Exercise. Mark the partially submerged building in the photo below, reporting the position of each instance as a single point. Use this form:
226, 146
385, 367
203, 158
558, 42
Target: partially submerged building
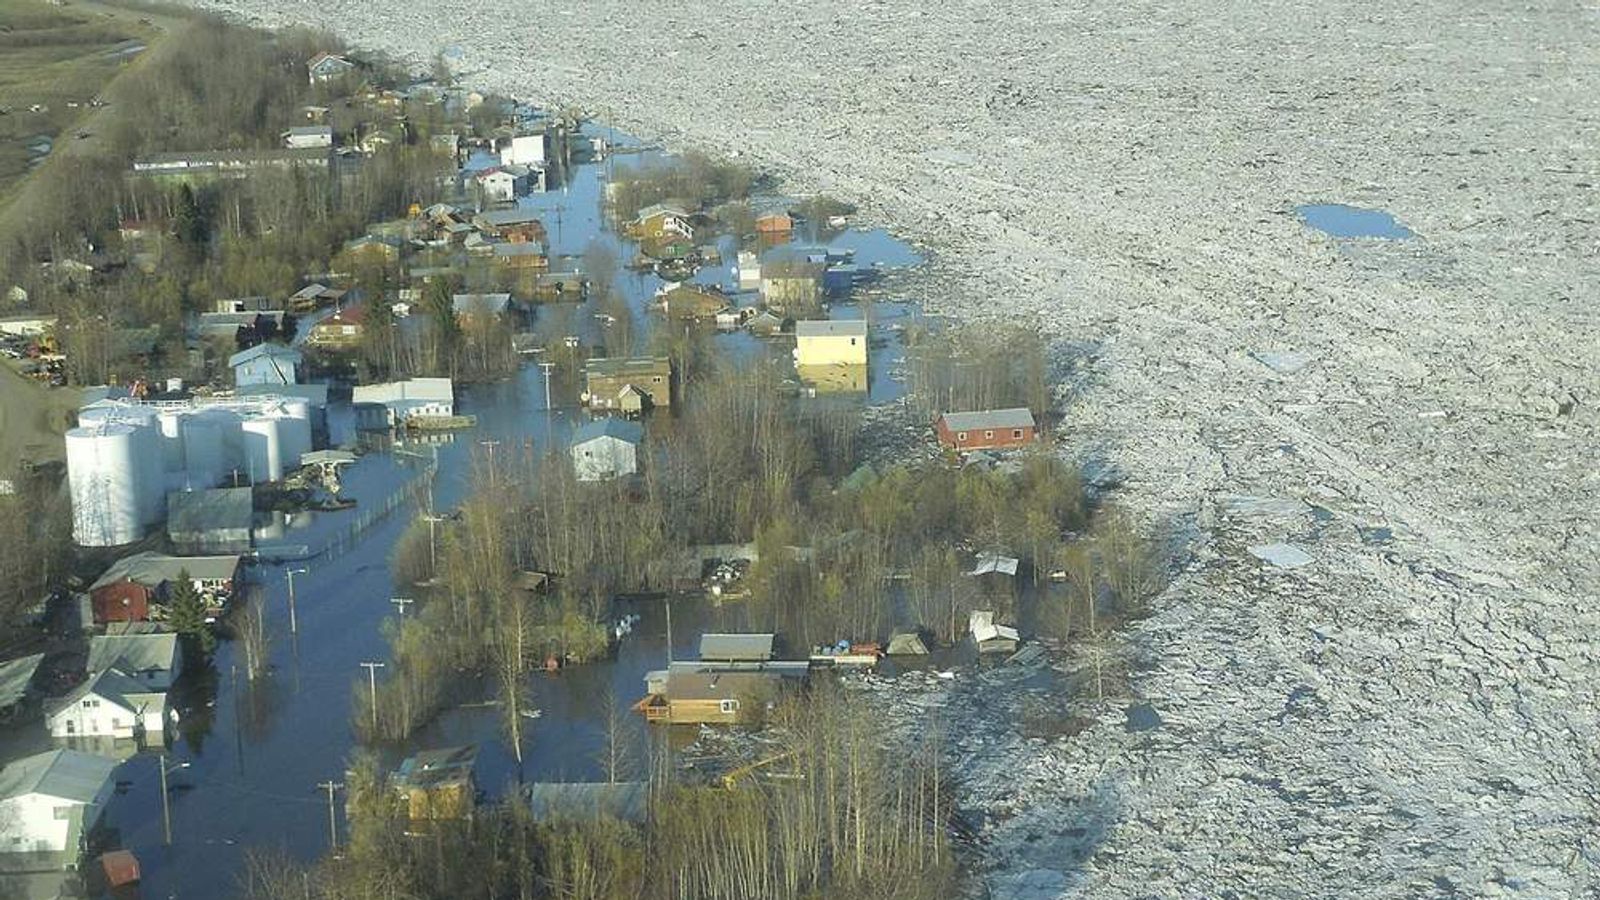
266, 363
627, 384
131, 586
110, 704
153, 660
50, 801
215, 521
438, 784
830, 342
625, 801
606, 448
399, 403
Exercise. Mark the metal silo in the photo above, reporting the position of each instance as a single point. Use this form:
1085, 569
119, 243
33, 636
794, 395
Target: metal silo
204, 455
171, 422
294, 420
263, 449
103, 472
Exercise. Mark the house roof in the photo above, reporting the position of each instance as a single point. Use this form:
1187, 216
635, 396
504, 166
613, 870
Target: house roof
504, 217
310, 292
669, 207
978, 420
425, 389
621, 429
309, 130
994, 564
718, 685
736, 646
112, 685
321, 58
15, 676
133, 652
219, 509
807, 328
350, 315
67, 774
626, 800
520, 248
151, 569
277, 351
629, 365
432, 768
472, 304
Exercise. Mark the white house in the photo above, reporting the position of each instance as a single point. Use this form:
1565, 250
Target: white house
498, 185
48, 801
325, 67
524, 150
606, 448
403, 400
838, 342
152, 660
303, 137
110, 704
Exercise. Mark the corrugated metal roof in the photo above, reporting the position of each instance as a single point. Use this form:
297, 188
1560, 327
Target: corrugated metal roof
268, 349
428, 389
719, 685
15, 675
623, 365
626, 800
830, 328
67, 774
133, 652
979, 420
621, 429
736, 646
218, 509
151, 569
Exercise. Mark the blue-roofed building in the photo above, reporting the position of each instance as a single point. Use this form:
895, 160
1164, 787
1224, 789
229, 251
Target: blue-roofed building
266, 364
606, 448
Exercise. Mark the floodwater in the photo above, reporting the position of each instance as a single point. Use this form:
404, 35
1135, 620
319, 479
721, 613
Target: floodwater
1343, 221
257, 753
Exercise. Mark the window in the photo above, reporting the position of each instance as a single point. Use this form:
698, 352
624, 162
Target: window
961, 435
1016, 434
852, 342
988, 435
61, 812
116, 722
655, 379
729, 707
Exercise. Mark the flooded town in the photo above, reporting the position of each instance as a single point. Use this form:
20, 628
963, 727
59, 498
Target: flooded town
435, 466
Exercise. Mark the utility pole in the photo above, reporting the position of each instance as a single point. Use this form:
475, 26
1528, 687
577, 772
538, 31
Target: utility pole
333, 824
433, 544
547, 366
372, 687
166, 807
401, 603
669, 632
491, 445
294, 625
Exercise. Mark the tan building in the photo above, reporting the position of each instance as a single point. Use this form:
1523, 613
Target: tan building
830, 343
628, 384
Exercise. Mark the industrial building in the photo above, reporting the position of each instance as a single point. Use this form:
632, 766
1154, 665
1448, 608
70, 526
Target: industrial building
403, 401
126, 455
211, 521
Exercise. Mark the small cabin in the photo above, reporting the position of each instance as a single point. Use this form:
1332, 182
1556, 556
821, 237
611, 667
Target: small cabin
438, 784
994, 429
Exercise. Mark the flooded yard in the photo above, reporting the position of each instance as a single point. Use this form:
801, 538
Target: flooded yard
257, 752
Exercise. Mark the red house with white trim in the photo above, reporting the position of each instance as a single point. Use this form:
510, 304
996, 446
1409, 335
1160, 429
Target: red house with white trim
991, 429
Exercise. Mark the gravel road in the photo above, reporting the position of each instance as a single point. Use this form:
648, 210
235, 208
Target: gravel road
1413, 711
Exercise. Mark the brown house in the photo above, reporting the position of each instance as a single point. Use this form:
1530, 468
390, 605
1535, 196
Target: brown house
513, 225
339, 331
617, 383
994, 429
133, 585
693, 301
715, 697
774, 224
438, 784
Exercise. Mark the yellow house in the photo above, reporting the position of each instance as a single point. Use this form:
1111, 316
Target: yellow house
830, 343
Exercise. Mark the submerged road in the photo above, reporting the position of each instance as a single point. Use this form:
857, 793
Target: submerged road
1409, 713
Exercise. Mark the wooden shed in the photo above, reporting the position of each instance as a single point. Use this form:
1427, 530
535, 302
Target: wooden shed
438, 784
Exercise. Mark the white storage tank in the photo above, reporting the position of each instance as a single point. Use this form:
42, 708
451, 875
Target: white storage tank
294, 421
171, 422
153, 475
103, 474
205, 457
263, 448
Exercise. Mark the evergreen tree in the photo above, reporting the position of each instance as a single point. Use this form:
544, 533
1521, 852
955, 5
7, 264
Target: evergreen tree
186, 613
